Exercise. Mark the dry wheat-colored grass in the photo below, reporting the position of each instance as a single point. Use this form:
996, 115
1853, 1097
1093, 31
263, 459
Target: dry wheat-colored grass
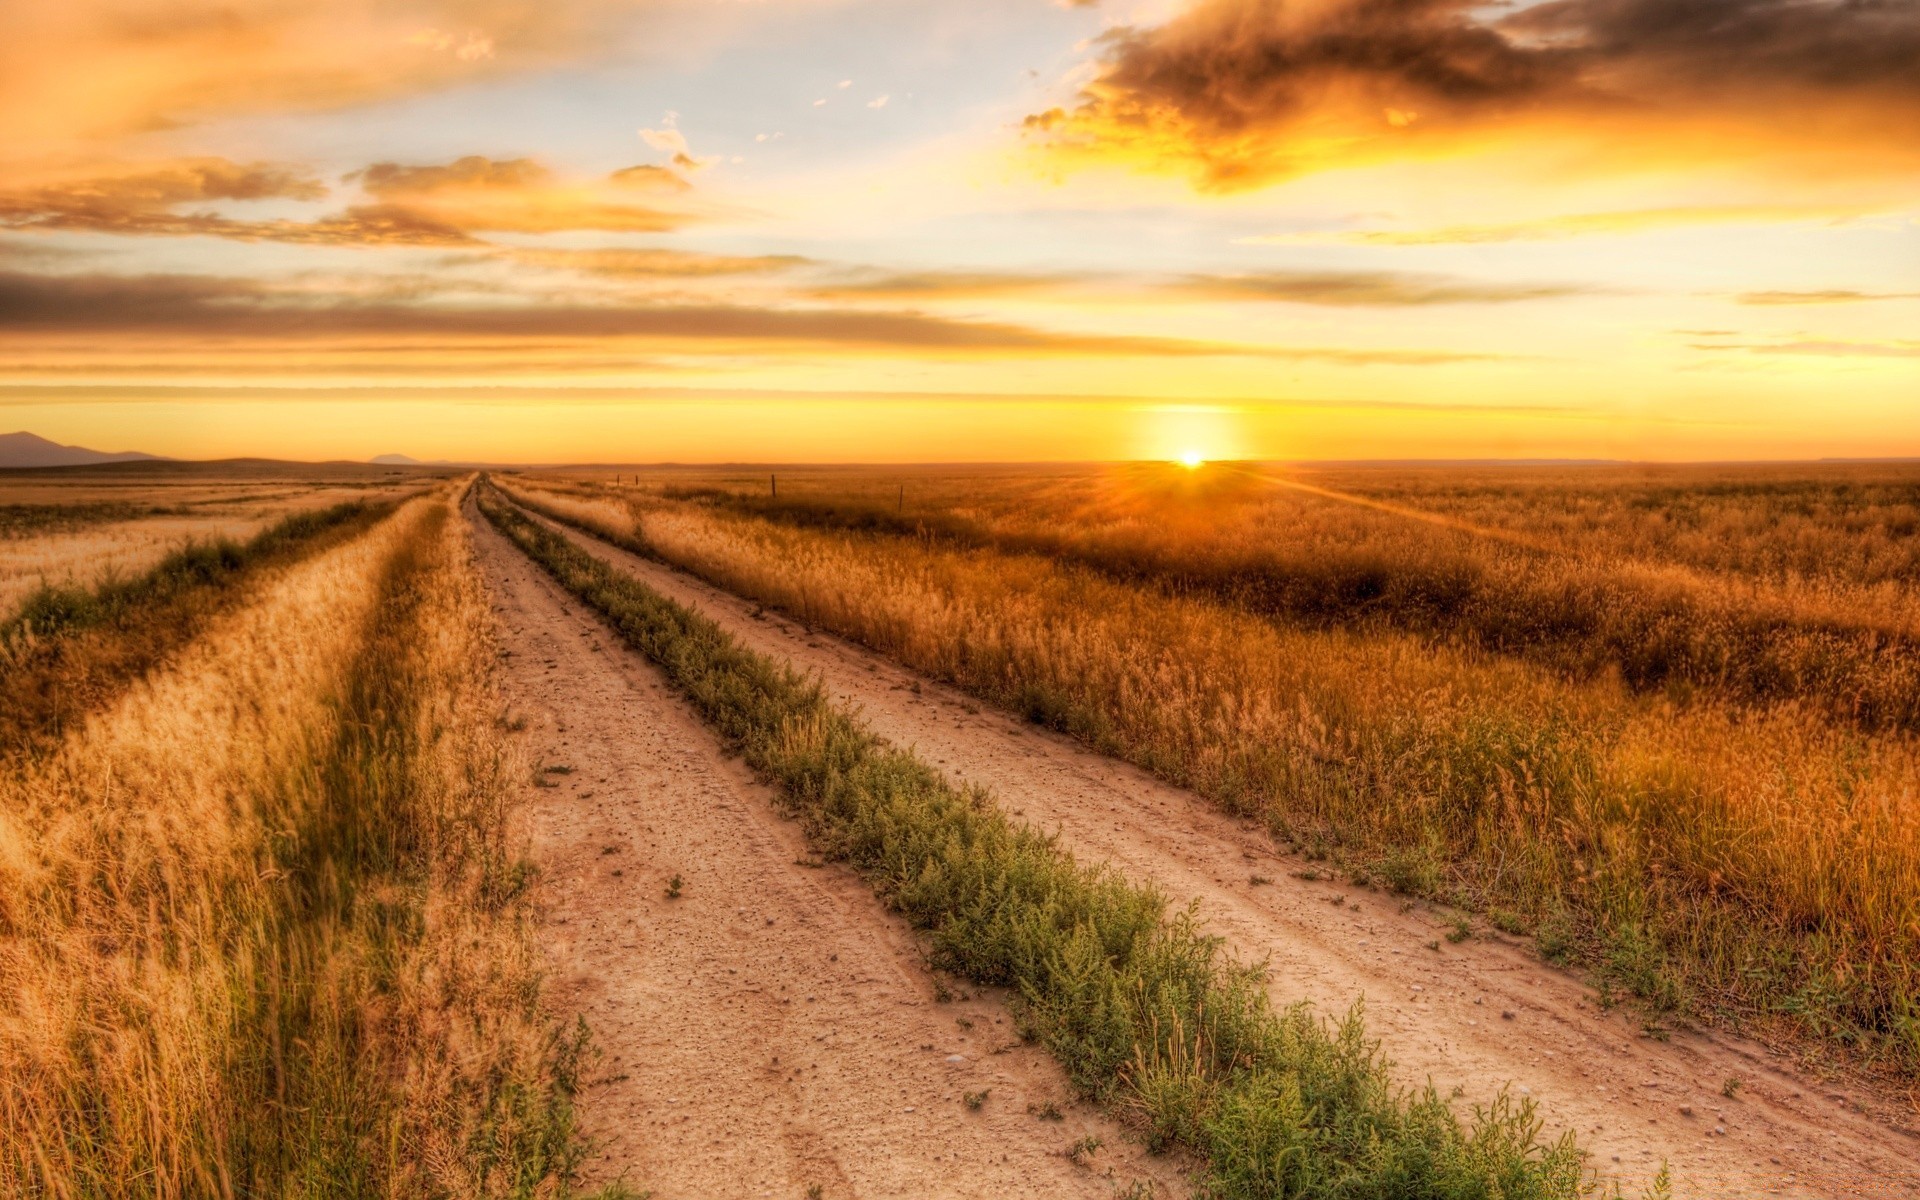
1759, 862
1758, 588
81, 536
262, 926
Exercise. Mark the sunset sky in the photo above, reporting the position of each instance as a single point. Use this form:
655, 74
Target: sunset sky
826, 230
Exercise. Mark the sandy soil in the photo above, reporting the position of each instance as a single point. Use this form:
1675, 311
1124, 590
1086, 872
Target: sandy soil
772, 1029
1478, 1016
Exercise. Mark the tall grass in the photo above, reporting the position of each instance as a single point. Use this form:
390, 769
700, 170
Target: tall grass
1760, 866
1755, 628
262, 928
68, 648
1143, 1010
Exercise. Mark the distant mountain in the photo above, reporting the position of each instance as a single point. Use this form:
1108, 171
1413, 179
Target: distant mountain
22, 450
394, 460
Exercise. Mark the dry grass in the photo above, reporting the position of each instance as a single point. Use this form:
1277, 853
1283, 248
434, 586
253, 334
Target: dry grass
68, 532
1754, 861
262, 931
1757, 587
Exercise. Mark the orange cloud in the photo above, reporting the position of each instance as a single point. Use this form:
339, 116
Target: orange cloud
411, 205
1571, 225
1340, 289
621, 263
84, 69
483, 195
1237, 93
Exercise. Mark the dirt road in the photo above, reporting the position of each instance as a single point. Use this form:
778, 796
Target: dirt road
771, 1029
1479, 1016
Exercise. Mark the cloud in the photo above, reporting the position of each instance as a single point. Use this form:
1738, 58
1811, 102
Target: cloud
222, 315
1829, 296
1819, 348
658, 264
85, 69
874, 284
1340, 289
1571, 225
213, 306
1368, 289
143, 198
476, 194
1238, 93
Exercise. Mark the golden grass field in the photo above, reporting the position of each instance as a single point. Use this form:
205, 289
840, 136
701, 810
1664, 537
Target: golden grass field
271, 922
56, 528
1662, 718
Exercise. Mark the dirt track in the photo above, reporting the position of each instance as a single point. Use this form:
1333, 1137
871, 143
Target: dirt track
773, 1028
1478, 1016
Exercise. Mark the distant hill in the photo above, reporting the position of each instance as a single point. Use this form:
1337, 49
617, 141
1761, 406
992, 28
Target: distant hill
394, 460
26, 450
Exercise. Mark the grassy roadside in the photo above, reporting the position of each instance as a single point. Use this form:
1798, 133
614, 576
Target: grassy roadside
1144, 1011
263, 927
68, 649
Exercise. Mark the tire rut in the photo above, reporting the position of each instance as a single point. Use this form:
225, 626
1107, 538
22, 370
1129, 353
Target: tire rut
772, 1028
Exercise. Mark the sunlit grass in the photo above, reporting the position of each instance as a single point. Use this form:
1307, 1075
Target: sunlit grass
1754, 862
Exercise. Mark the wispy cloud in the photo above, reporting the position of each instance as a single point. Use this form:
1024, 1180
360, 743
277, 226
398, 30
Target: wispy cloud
1826, 296
1570, 225
1368, 289
442, 204
1339, 289
1819, 348
223, 312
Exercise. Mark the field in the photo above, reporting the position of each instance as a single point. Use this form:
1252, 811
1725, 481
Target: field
1239, 831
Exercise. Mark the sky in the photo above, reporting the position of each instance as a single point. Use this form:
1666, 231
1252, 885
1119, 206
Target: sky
962, 230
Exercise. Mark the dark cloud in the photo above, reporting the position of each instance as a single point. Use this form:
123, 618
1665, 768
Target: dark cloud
238, 308
223, 310
1247, 90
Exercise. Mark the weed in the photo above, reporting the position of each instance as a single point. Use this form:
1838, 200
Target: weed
1083, 1150
1461, 931
974, 1100
673, 887
1730, 1087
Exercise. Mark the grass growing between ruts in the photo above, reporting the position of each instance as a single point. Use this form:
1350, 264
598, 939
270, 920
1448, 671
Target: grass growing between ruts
69, 648
262, 929
1144, 1011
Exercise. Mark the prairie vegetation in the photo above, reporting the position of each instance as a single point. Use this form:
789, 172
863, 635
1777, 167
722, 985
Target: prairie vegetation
1145, 1013
262, 927
1758, 587
1703, 787
69, 647
83, 528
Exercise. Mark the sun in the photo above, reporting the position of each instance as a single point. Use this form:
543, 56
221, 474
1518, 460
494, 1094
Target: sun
1192, 460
